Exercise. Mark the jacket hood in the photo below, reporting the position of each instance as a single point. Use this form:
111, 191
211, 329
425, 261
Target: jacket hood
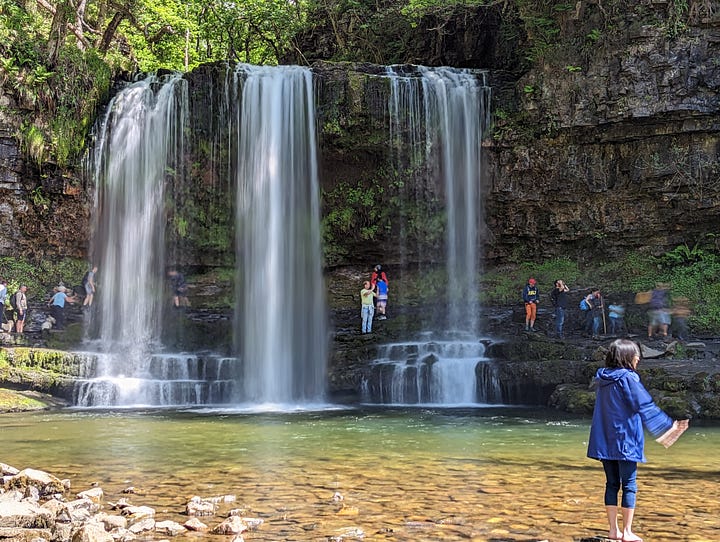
606, 376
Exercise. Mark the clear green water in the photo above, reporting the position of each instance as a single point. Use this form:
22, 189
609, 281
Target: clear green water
404, 475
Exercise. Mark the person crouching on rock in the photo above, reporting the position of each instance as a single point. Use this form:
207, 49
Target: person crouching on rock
57, 306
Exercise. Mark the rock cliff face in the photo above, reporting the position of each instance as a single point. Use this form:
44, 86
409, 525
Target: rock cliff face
610, 144
43, 213
625, 150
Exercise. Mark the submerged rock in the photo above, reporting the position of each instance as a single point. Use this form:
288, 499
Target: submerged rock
232, 525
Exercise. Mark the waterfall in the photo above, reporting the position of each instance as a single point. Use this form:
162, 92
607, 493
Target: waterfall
280, 308
437, 119
139, 141
280, 312
449, 373
139, 145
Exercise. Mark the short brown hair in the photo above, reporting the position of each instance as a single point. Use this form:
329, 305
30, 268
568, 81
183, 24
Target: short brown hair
621, 354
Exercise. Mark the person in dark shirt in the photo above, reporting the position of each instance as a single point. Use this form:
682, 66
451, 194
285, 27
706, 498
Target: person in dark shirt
531, 295
559, 298
179, 288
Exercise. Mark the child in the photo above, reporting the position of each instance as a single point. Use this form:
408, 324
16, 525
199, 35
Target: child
622, 407
382, 298
616, 312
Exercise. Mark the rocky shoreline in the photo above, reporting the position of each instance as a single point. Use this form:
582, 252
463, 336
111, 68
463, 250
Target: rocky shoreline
37, 506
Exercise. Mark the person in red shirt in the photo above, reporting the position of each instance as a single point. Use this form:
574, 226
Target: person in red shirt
378, 273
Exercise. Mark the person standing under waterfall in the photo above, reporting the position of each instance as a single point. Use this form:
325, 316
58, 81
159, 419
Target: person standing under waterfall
531, 295
367, 309
179, 288
559, 298
622, 407
88, 283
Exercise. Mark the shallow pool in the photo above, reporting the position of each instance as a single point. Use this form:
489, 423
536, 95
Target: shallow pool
403, 475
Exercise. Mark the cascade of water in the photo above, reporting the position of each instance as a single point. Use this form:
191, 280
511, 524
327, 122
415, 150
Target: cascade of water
437, 118
450, 373
139, 141
280, 309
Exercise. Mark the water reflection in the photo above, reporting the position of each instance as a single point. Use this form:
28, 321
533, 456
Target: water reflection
484, 474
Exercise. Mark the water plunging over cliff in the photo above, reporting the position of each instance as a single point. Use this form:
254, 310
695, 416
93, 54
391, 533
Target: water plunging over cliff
138, 142
280, 308
437, 118
140, 139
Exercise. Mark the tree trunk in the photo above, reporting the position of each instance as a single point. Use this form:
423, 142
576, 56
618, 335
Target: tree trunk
58, 32
110, 31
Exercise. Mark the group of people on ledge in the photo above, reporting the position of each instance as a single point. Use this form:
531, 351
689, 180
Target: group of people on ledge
14, 306
374, 298
593, 310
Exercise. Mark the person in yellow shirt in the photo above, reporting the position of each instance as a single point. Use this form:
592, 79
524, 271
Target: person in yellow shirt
367, 294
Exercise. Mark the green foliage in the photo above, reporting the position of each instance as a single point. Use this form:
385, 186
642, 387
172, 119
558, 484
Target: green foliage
55, 122
504, 285
540, 20
354, 213
684, 255
39, 199
34, 143
594, 35
416, 9
677, 22
40, 277
691, 274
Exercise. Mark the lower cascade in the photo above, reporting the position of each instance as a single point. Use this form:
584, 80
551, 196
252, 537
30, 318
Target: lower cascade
160, 380
450, 372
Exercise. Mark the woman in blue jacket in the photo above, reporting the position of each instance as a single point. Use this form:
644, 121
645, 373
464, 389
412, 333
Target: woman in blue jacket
622, 407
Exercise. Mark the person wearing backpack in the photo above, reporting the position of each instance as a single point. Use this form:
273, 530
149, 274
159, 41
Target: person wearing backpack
19, 305
382, 298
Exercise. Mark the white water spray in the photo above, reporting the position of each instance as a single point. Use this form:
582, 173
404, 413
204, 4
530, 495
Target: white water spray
280, 310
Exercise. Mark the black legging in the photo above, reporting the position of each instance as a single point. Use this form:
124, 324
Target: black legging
58, 313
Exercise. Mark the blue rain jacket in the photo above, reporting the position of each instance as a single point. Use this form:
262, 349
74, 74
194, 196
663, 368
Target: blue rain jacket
622, 407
